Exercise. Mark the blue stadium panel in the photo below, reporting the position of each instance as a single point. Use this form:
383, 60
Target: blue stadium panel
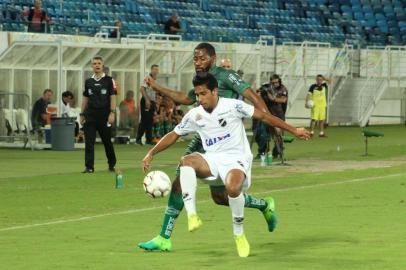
377, 22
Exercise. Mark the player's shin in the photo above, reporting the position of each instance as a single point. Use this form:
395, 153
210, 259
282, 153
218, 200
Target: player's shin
174, 207
253, 202
237, 212
188, 182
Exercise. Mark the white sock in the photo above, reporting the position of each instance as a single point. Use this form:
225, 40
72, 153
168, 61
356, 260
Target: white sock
237, 212
188, 183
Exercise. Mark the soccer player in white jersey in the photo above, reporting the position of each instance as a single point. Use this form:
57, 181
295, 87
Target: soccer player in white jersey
228, 157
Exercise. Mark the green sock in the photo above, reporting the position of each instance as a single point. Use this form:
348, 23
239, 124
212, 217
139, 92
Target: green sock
154, 131
175, 206
161, 130
252, 202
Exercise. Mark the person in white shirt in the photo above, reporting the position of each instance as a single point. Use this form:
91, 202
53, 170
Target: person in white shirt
228, 157
67, 99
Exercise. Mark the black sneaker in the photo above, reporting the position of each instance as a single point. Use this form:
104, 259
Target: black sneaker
112, 169
138, 142
88, 170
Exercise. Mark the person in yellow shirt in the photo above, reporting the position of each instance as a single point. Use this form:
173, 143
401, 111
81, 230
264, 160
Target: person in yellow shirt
318, 93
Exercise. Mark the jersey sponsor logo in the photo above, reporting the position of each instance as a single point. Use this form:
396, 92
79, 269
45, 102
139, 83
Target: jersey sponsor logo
235, 79
222, 122
212, 141
183, 124
97, 84
240, 109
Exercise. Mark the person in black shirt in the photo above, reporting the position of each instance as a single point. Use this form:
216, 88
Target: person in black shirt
275, 96
172, 26
98, 114
116, 33
39, 110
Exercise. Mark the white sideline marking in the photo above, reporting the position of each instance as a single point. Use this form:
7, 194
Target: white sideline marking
202, 201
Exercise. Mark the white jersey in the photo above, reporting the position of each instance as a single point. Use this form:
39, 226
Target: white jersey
65, 109
222, 130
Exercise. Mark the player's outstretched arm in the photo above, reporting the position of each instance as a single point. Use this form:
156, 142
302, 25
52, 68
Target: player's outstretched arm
164, 143
276, 122
177, 96
255, 99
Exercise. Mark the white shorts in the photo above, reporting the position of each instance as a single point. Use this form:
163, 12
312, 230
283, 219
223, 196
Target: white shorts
221, 164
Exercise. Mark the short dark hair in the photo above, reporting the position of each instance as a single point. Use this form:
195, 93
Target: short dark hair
276, 77
47, 90
207, 79
154, 65
320, 76
206, 46
67, 94
97, 57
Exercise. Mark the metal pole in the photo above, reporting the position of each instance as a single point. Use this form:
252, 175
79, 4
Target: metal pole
12, 90
59, 76
143, 54
258, 77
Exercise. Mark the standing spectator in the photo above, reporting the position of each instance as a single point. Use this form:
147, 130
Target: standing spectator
10, 11
172, 26
317, 93
98, 114
128, 115
116, 33
37, 18
147, 109
108, 72
158, 120
225, 63
277, 101
39, 116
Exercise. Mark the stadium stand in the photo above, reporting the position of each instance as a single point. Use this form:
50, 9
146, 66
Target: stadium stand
367, 22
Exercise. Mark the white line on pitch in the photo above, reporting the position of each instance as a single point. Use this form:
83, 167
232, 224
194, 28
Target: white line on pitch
202, 201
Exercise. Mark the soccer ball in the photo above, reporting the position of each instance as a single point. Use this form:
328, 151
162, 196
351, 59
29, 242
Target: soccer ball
157, 184
309, 104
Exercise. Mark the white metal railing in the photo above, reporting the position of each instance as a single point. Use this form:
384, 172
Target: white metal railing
264, 58
309, 59
375, 85
339, 71
293, 75
151, 38
396, 63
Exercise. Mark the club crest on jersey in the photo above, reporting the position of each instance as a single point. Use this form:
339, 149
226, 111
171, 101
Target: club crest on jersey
90, 91
198, 117
211, 141
104, 91
222, 122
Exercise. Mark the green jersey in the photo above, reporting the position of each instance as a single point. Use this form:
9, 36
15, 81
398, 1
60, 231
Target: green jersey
230, 83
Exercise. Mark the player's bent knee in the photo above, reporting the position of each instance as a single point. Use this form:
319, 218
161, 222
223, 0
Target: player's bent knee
220, 198
189, 160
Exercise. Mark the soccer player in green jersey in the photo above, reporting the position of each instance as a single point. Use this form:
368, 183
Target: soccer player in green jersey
230, 85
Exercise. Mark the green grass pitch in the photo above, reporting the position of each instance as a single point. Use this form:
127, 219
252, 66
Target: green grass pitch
336, 209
